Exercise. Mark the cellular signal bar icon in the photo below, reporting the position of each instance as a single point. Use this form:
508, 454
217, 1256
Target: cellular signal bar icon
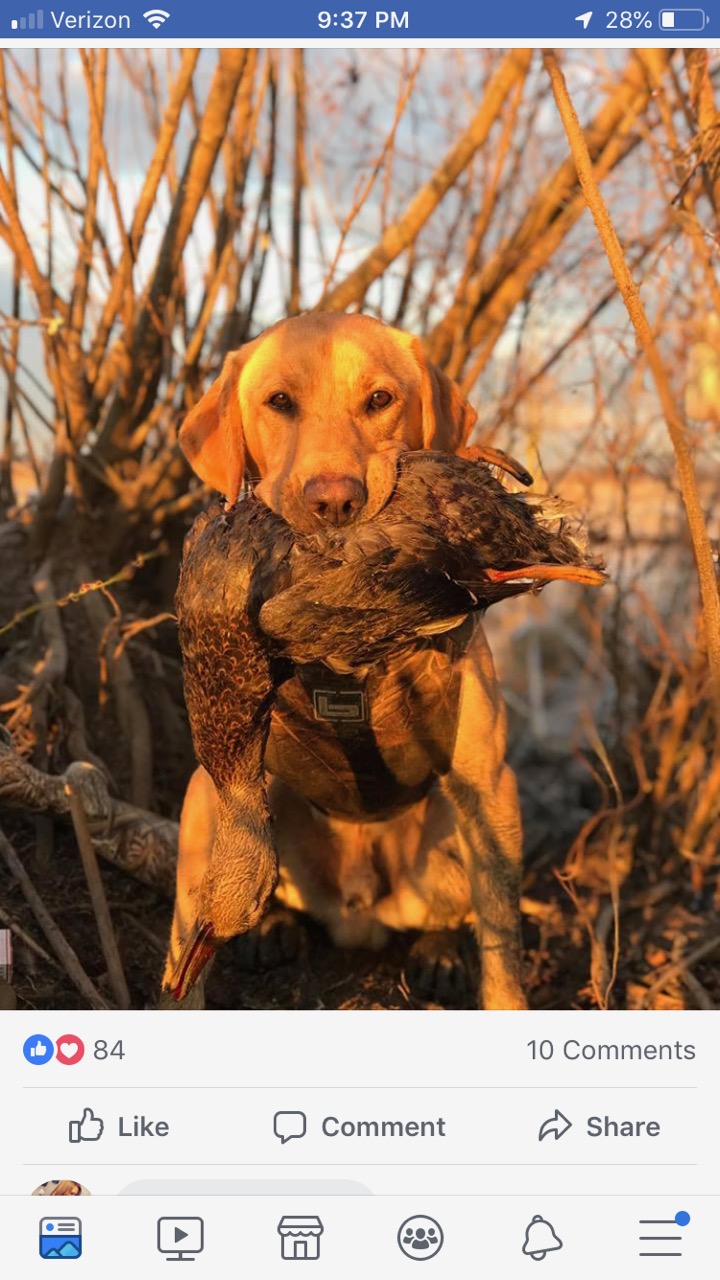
33, 22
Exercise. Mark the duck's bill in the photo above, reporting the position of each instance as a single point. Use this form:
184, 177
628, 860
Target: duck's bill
196, 954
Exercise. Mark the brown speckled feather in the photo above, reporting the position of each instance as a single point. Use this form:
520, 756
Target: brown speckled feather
230, 564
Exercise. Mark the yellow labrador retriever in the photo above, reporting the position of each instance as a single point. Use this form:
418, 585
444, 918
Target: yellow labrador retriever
394, 807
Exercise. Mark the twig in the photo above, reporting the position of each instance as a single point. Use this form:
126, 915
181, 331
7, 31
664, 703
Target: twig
646, 340
129, 702
137, 842
698, 992
108, 941
400, 235
133, 629
682, 967
52, 931
26, 939
299, 179
123, 575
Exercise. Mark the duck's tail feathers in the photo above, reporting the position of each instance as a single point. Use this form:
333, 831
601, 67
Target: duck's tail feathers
563, 522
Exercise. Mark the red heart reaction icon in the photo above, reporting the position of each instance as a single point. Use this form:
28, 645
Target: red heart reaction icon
69, 1050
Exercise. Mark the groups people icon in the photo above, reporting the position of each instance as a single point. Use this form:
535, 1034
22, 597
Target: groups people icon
420, 1237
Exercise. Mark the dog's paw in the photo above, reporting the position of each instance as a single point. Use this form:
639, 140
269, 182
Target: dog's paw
439, 967
275, 941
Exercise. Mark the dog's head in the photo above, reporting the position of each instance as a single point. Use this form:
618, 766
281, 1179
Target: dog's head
317, 409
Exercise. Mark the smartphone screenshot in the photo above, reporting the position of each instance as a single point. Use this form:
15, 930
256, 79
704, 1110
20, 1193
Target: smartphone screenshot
359, 639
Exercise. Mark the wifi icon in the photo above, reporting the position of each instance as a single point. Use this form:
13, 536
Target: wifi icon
156, 17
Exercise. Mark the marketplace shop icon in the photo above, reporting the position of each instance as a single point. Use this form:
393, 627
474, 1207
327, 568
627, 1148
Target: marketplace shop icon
300, 1237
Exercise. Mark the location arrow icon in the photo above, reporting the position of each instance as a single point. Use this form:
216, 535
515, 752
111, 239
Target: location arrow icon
557, 1125
585, 18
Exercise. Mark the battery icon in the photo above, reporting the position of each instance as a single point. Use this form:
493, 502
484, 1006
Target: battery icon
683, 19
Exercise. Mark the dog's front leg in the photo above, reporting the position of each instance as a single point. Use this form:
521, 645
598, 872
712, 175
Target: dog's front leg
483, 792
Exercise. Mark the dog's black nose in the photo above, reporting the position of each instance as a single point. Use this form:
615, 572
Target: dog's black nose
335, 499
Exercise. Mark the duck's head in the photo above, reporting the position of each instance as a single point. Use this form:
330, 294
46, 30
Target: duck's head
240, 879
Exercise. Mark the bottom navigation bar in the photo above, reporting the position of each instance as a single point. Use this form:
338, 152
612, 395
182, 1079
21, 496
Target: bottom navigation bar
360, 1235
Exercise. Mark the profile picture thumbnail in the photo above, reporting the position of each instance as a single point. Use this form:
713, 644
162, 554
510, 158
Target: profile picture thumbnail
61, 1187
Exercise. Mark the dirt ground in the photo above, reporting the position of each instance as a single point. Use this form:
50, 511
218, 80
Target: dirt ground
660, 917
657, 915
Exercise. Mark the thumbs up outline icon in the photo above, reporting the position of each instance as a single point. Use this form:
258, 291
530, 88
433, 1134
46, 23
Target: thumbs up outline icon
89, 1129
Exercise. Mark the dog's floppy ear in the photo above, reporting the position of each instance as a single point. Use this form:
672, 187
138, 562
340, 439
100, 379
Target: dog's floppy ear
212, 436
447, 417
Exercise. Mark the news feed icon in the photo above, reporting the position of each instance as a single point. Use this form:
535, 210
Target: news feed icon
180, 1238
31, 22
60, 1238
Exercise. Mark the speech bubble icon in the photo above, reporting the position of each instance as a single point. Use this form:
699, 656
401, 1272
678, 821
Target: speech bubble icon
289, 1124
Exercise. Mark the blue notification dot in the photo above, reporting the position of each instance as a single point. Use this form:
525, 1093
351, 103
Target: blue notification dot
37, 1050
49, 1226
682, 1218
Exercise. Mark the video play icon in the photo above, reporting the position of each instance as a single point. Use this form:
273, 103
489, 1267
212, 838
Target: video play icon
179, 1238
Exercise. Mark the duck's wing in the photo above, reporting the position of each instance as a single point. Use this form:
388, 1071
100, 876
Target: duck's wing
230, 563
232, 560
357, 613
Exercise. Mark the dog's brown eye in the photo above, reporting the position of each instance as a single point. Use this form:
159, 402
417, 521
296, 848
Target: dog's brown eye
280, 401
379, 400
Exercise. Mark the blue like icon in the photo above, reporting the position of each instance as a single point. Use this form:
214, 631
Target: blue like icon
60, 1238
37, 1050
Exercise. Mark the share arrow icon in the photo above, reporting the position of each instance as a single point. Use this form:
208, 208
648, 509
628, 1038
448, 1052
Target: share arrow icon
557, 1125
585, 18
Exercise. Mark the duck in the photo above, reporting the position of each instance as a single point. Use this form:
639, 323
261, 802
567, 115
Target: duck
231, 562
256, 597
452, 540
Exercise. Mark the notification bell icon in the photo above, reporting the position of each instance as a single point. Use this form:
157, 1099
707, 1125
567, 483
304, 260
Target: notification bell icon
541, 1238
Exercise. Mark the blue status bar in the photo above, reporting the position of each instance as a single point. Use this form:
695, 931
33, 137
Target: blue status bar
404, 20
